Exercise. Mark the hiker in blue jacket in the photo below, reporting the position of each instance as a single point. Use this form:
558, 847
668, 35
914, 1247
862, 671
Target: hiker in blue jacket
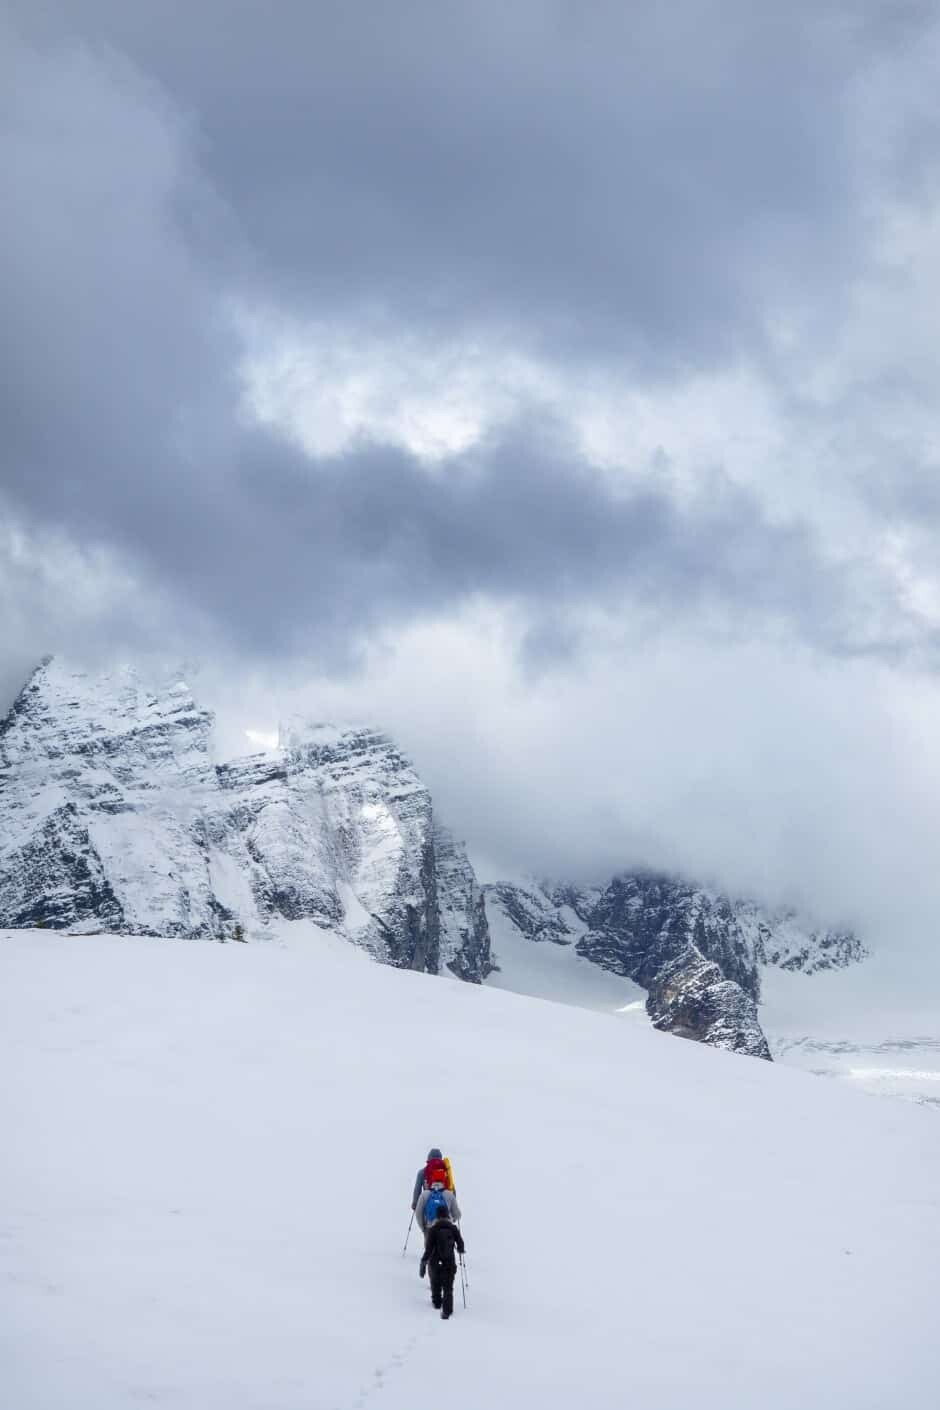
430, 1202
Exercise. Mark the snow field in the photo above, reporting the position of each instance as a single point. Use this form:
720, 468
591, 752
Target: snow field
875, 1025
211, 1151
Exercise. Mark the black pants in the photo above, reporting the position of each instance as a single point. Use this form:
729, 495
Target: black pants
442, 1277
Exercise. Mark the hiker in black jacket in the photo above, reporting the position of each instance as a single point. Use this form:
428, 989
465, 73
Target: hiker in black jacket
439, 1260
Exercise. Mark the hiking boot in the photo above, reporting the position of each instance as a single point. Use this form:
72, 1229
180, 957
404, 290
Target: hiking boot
444, 1316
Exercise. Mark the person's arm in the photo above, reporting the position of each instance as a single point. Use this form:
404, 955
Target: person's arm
419, 1210
419, 1186
460, 1242
454, 1206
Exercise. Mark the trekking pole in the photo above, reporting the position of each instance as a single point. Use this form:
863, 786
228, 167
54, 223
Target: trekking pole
463, 1281
408, 1235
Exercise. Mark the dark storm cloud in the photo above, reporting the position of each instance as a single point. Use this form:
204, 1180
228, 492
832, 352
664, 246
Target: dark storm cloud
641, 180
120, 431
604, 179
370, 536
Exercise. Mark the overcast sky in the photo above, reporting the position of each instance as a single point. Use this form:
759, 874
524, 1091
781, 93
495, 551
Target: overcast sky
553, 383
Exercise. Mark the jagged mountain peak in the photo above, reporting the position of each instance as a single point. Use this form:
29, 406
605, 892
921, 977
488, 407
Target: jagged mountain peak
350, 755
63, 707
114, 815
299, 732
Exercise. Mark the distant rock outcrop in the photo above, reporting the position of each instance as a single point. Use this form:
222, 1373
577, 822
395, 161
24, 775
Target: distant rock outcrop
690, 997
698, 954
113, 816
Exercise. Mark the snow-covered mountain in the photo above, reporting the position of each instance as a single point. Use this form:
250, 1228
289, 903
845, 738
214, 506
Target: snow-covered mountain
113, 816
698, 954
648, 1222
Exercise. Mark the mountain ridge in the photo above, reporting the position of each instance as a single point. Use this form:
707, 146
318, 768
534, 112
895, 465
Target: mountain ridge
115, 816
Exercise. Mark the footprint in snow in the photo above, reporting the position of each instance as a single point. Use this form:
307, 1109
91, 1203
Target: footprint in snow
396, 1361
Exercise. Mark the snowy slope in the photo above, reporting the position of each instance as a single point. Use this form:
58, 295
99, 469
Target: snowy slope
210, 1155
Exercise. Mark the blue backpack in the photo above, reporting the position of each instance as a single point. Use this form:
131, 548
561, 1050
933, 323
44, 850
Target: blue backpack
432, 1204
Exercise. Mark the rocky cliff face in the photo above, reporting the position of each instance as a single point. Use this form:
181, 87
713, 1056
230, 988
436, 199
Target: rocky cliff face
113, 816
463, 933
698, 954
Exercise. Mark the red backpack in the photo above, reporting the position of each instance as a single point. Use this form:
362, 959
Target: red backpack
436, 1173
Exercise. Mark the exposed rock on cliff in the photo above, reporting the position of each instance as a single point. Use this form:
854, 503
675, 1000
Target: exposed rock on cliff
113, 816
690, 997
